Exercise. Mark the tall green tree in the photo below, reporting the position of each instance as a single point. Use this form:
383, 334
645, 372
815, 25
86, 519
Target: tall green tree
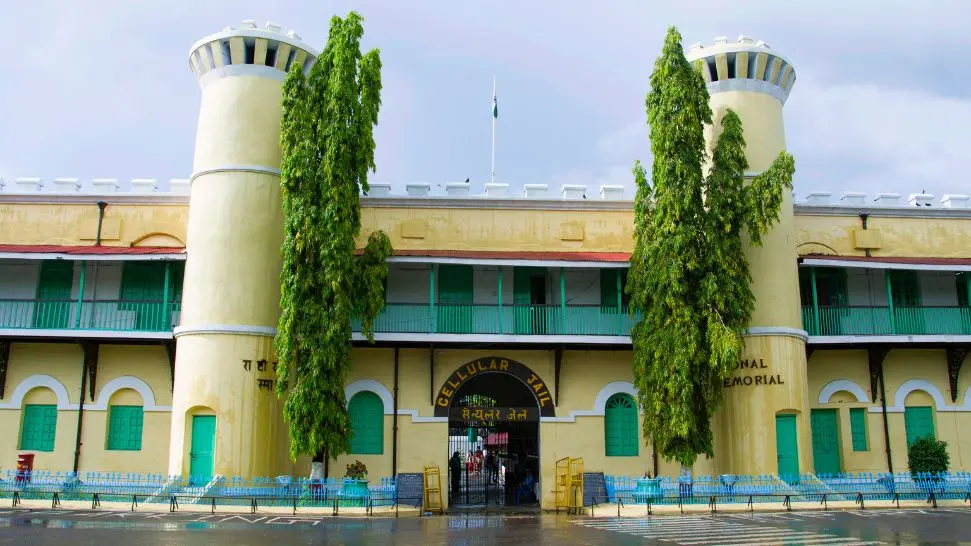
328, 149
689, 276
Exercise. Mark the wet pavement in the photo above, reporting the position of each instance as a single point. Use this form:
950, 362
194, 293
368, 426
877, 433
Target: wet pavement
834, 528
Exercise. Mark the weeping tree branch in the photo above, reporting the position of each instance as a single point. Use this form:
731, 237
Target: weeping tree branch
327, 140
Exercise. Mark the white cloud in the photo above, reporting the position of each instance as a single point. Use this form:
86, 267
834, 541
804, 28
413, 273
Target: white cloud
853, 137
875, 139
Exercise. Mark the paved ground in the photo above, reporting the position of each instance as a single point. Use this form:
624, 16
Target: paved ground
871, 527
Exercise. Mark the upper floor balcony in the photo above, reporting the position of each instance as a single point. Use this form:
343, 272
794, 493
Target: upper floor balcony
842, 304
454, 302
66, 298
505, 303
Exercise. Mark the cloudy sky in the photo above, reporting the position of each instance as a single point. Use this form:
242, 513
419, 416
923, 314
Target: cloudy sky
882, 101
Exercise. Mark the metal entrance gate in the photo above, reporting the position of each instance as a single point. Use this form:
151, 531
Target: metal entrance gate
490, 450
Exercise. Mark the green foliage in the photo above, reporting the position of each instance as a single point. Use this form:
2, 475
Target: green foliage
356, 471
689, 277
928, 456
328, 148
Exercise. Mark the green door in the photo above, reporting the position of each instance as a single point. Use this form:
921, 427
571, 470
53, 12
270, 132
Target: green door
529, 297
787, 447
918, 422
826, 441
455, 299
53, 308
201, 456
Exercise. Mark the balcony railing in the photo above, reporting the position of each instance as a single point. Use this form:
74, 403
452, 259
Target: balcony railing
887, 321
116, 315
574, 320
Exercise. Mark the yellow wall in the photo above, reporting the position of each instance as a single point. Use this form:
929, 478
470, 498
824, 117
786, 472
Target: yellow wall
900, 365
480, 229
63, 362
71, 224
583, 375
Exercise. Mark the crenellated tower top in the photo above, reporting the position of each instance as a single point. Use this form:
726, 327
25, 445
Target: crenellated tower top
249, 49
744, 65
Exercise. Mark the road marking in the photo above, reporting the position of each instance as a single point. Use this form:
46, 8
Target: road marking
709, 531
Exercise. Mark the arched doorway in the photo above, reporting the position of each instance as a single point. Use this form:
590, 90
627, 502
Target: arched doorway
494, 407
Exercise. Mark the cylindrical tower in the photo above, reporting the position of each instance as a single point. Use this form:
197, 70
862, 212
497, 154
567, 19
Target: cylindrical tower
226, 418
763, 426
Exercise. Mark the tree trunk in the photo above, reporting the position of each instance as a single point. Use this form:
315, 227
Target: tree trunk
317, 467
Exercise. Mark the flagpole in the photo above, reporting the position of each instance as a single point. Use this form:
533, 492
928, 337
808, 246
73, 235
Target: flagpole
493, 171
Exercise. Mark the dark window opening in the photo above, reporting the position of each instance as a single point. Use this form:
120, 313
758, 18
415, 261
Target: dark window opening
249, 48
293, 54
731, 65
713, 69
271, 49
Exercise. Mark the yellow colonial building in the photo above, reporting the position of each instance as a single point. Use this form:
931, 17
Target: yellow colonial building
137, 319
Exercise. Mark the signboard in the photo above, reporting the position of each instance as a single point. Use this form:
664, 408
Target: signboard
463, 373
410, 490
492, 415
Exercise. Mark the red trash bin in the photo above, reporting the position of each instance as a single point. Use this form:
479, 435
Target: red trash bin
25, 465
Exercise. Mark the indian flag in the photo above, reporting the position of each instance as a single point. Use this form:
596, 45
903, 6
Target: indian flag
495, 107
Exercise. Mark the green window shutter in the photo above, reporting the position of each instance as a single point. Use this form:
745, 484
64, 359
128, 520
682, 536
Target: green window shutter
918, 422
54, 285
608, 288
39, 427
521, 277
905, 288
142, 291
125, 428
455, 298
143, 281
620, 426
858, 429
454, 284
366, 413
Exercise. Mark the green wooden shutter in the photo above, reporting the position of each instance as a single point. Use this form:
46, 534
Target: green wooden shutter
366, 413
39, 427
858, 429
620, 427
125, 428
608, 289
142, 291
905, 288
54, 285
520, 285
455, 298
918, 422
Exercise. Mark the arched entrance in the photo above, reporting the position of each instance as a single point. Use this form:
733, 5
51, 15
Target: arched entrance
493, 407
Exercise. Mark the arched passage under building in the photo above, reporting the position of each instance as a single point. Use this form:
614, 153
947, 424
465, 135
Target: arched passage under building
494, 408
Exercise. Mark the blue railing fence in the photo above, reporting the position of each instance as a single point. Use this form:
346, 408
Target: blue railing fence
160, 488
805, 487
